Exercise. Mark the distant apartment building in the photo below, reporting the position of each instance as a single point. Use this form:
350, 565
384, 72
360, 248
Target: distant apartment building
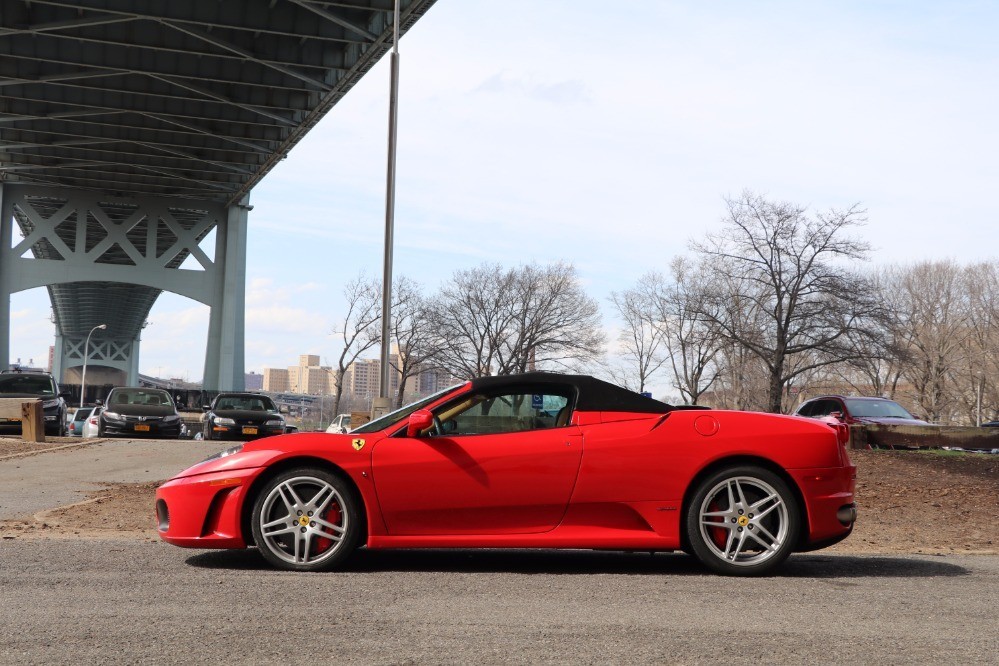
276, 380
363, 378
308, 377
253, 382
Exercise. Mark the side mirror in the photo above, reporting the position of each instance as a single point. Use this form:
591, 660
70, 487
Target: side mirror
99, 402
419, 420
205, 408
838, 416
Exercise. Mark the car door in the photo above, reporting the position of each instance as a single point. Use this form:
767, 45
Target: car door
503, 464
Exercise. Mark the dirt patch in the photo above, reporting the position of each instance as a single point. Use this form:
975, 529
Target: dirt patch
17, 447
909, 502
925, 502
118, 508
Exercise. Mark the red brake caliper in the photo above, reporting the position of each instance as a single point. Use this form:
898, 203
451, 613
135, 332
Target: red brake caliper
718, 535
331, 515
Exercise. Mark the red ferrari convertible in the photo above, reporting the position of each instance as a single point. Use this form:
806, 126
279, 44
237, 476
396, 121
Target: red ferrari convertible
527, 461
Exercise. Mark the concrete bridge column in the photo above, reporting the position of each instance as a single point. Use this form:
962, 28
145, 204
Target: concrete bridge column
6, 227
224, 360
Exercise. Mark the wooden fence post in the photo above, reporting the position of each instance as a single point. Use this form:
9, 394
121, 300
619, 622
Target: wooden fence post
32, 422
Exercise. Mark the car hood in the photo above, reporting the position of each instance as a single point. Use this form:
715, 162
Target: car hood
260, 452
141, 410
887, 420
246, 414
46, 397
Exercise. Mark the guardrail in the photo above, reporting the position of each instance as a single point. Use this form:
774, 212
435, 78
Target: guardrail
882, 436
29, 412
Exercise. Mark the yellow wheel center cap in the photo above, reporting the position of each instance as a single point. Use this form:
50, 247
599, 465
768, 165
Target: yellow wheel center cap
743, 521
303, 521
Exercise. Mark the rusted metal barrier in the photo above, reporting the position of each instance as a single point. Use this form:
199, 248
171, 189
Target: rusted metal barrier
29, 412
881, 436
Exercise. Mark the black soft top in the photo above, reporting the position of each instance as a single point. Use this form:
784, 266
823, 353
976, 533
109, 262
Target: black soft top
592, 394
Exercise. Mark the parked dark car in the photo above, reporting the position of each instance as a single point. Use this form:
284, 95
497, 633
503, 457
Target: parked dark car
242, 416
139, 412
858, 410
32, 384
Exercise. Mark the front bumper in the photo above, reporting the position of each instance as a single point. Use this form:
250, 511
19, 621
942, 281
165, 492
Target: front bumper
244, 433
137, 429
204, 510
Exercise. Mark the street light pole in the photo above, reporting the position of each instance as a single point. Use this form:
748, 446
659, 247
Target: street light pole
383, 387
86, 354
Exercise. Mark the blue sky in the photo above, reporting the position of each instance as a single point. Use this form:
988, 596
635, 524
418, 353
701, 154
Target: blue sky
577, 131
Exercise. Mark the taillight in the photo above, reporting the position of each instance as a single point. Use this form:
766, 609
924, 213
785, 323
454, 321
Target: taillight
843, 436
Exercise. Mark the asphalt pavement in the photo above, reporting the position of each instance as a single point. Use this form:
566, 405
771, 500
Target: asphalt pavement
121, 601
138, 600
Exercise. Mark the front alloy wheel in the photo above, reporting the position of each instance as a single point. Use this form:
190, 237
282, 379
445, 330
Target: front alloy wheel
306, 519
743, 521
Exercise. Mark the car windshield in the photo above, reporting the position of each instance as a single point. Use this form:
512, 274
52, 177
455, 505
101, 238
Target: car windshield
27, 384
402, 412
877, 409
253, 403
151, 397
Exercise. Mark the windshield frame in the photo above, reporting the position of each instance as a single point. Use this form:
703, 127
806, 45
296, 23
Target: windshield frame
394, 417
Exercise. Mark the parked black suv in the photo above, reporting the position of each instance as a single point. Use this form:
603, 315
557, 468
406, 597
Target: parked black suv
34, 384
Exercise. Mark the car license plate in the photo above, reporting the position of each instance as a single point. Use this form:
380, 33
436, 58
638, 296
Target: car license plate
141, 428
249, 431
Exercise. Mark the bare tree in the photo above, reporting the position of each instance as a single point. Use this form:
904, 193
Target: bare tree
413, 331
932, 310
691, 341
779, 287
981, 365
359, 329
496, 321
641, 340
879, 361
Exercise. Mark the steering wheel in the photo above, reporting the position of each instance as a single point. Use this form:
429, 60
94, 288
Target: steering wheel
438, 429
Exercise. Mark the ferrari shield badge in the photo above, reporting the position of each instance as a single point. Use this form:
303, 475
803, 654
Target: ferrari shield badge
358, 444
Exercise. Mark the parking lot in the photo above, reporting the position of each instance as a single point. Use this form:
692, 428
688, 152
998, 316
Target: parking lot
128, 598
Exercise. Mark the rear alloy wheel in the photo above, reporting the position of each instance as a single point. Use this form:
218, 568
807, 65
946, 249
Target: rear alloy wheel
306, 519
743, 521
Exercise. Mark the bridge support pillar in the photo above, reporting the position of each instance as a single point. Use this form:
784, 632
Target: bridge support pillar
224, 360
6, 229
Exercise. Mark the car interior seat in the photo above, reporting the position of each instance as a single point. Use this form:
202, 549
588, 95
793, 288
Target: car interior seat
562, 418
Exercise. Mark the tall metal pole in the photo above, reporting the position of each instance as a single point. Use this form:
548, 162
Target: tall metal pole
86, 353
383, 391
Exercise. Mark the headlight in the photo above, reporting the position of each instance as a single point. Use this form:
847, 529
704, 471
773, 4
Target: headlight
221, 420
222, 454
113, 416
170, 418
275, 422
50, 404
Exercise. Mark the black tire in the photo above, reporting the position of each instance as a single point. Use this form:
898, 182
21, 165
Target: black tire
743, 521
295, 537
